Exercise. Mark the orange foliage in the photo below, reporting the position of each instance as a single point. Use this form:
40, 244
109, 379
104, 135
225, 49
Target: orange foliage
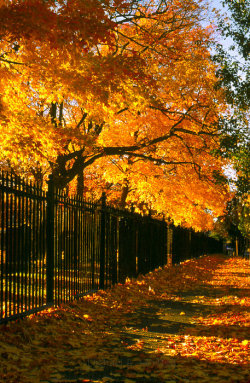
140, 85
188, 323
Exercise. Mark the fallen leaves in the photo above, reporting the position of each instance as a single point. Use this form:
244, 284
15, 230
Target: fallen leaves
163, 327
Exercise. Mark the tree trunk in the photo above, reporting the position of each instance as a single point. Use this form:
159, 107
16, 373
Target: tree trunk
80, 184
53, 111
125, 191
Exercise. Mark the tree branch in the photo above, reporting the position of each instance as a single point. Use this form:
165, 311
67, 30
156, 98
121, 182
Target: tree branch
11, 62
81, 120
160, 161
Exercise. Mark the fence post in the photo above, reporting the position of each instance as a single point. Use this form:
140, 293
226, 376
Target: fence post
164, 240
169, 244
50, 242
103, 241
114, 234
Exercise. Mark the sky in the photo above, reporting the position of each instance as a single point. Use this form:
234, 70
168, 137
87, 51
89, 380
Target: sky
226, 43
212, 18
217, 4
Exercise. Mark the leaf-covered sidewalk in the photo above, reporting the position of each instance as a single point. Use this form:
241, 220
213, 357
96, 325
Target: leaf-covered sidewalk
187, 323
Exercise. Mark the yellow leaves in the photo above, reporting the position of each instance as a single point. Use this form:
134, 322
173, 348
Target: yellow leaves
126, 89
151, 290
63, 344
86, 316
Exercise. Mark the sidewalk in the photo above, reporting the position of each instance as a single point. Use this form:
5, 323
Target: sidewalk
187, 323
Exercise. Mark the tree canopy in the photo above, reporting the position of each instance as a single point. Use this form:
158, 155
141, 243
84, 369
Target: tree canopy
118, 93
233, 76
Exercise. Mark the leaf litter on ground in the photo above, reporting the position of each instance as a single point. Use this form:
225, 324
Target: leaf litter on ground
185, 323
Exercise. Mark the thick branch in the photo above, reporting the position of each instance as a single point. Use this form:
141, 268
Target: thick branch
81, 162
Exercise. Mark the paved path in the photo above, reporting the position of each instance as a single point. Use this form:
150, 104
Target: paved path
185, 324
191, 335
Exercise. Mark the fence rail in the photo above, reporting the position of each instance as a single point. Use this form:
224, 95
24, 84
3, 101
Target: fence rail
54, 248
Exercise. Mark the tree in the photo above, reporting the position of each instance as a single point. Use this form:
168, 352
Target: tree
146, 72
159, 190
234, 78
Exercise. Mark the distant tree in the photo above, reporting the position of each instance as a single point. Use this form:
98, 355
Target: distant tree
233, 77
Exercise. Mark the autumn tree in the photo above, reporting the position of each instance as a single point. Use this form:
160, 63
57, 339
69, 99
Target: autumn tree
233, 76
137, 93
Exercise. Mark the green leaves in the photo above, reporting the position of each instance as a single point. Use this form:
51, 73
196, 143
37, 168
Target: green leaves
233, 77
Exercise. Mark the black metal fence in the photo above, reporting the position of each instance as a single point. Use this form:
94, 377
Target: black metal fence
54, 248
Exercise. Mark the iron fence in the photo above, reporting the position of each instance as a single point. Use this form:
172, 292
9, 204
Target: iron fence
22, 247
54, 248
